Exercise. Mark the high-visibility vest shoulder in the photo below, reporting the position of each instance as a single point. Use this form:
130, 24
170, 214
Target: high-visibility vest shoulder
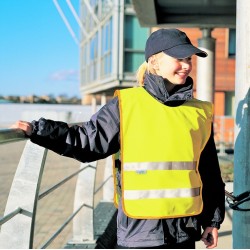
159, 155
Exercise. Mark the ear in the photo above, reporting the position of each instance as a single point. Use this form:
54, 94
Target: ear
154, 62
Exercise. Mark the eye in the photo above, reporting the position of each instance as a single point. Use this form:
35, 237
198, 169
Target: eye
188, 59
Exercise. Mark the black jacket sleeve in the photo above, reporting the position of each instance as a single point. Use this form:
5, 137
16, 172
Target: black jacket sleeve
93, 140
213, 192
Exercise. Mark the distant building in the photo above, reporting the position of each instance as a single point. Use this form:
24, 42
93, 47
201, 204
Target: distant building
112, 47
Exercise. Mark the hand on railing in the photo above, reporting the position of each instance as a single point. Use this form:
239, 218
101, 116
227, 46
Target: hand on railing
25, 126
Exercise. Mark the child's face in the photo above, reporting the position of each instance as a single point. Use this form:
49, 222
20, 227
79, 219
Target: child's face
174, 70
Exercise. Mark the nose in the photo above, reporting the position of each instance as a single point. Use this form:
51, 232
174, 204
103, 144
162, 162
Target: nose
186, 64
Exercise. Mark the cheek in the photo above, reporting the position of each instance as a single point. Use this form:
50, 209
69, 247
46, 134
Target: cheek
166, 72
172, 69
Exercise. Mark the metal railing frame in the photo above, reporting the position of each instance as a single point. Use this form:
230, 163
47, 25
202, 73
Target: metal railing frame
21, 212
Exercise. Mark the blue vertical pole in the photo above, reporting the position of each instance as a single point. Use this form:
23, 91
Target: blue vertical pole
241, 219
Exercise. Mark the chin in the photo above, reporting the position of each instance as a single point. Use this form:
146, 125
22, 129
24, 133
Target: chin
180, 83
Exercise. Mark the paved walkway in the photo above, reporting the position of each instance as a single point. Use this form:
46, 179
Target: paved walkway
54, 209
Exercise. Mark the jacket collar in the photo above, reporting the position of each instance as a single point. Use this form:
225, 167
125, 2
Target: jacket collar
156, 87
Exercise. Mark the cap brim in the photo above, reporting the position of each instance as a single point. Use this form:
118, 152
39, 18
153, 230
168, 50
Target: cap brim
184, 51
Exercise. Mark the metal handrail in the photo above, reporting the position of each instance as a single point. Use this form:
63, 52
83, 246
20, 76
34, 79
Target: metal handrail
15, 135
104, 182
11, 135
9, 216
54, 187
50, 240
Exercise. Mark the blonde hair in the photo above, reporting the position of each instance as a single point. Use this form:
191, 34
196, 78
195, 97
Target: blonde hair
147, 67
140, 74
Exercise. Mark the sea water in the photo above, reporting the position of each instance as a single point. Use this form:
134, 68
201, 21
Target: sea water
11, 112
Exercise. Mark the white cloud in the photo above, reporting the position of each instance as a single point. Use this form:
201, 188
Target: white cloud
65, 75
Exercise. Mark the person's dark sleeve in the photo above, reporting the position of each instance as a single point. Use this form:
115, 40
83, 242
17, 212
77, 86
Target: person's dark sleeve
213, 192
93, 140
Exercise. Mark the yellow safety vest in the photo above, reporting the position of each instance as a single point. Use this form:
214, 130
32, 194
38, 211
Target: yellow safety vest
160, 152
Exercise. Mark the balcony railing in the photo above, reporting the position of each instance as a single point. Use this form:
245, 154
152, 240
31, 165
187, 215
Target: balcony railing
18, 222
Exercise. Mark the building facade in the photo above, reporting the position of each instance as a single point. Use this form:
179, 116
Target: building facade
112, 47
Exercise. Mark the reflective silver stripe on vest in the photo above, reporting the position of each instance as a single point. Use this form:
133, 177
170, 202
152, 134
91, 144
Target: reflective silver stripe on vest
162, 193
144, 166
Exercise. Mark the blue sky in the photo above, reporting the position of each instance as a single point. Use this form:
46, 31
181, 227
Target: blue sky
38, 55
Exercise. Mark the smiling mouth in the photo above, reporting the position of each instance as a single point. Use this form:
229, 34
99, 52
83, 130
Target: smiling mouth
182, 75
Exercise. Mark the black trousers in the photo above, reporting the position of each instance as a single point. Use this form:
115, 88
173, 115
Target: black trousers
183, 245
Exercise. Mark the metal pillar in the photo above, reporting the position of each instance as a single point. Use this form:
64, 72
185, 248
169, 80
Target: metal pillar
206, 67
241, 219
93, 104
103, 99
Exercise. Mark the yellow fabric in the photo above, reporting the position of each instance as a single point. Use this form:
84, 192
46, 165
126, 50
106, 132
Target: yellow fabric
153, 132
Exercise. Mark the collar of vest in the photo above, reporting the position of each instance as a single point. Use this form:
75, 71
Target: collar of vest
155, 85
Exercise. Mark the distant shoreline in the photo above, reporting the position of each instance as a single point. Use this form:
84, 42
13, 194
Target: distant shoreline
41, 99
40, 103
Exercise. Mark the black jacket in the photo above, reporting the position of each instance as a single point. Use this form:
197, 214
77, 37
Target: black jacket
100, 137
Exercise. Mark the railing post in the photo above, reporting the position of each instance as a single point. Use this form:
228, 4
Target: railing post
108, 188
18, 232
83, 226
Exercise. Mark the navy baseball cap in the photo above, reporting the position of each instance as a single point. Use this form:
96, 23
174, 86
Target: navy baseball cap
172, 42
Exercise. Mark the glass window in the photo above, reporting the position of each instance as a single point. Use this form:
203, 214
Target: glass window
87, 16
106, 8
134, 43
93, 57
106, 51
135, 35
93, 3
232, 43
84, 64
133, 60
